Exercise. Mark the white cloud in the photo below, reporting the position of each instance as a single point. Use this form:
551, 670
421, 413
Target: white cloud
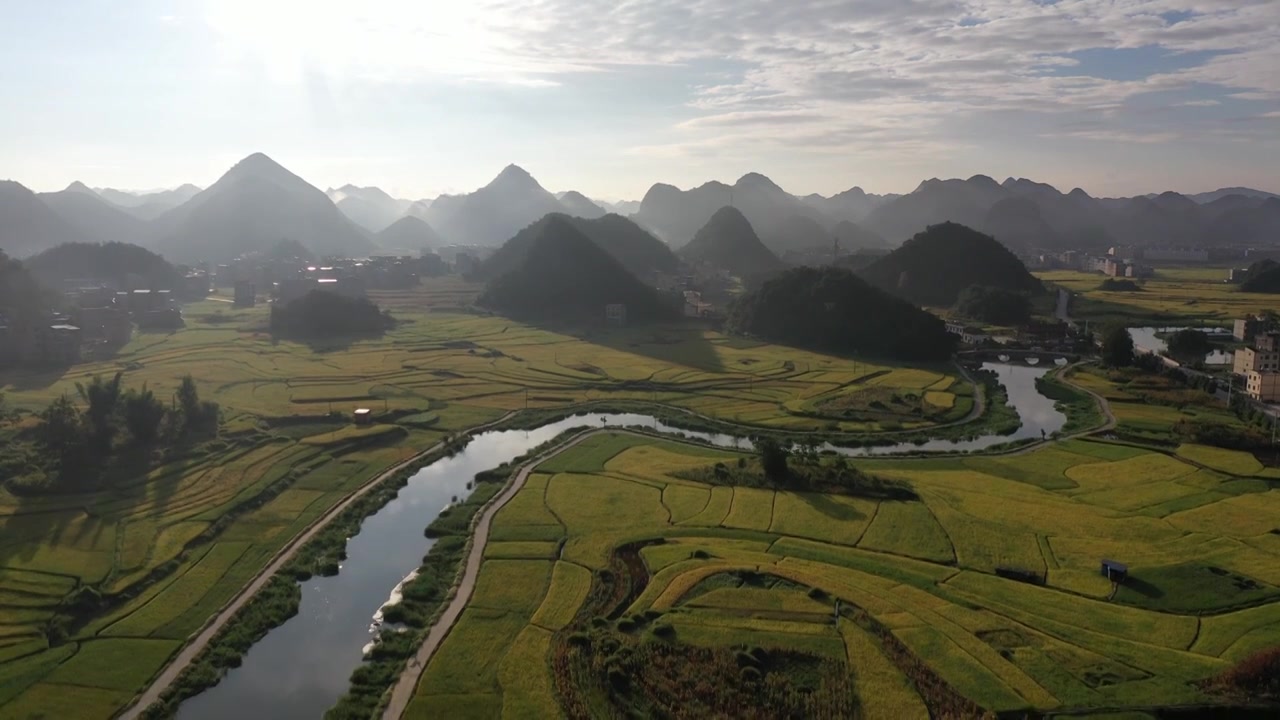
821, 74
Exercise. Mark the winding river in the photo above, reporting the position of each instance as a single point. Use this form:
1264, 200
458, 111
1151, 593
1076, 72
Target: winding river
301, 668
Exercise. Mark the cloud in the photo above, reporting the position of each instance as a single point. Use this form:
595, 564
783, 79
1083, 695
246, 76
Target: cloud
861, 75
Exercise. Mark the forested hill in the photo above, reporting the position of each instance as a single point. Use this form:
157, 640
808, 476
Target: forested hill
935, 266
631, 245
22, 298
121, 265
729, 242
1264, 277
831, 309
564, 276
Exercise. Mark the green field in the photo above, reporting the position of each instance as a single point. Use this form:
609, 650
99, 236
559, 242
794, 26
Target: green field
167, 547
1189, 294
915, 581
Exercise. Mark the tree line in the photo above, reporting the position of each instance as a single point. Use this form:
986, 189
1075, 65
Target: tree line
110, 424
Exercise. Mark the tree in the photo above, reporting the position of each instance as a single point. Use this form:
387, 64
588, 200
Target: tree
61, 431
1117, 347
994, 305
1188, 345
103, 397
142, 415
773, 458
197, 416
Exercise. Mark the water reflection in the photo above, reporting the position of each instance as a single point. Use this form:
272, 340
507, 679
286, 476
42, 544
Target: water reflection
301, 668
1144, 338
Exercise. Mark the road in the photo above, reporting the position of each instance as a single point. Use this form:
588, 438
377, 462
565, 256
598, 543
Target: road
402, 693
207, 633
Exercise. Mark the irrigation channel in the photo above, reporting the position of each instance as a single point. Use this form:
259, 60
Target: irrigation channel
301, 668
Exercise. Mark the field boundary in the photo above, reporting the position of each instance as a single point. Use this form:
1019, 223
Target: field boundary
403, 691
196, 642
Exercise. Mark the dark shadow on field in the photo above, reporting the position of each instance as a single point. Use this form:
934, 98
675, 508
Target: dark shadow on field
1143, 588
675, 343
825, 505
327, 344
21, 380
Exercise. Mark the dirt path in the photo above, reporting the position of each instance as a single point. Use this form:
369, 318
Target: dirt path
402, 693
198, 643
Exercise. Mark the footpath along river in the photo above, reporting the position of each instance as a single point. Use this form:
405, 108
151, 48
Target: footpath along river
301, 668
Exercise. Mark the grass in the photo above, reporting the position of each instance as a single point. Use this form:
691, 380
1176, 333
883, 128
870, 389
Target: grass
921, 570
283, 461
569, 586
154, 544
114, 664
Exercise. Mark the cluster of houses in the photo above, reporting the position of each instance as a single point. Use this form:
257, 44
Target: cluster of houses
286, 279
1259, 361
96, 319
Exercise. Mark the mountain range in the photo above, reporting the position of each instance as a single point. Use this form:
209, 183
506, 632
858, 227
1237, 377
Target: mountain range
564, 276
729, 242
257, 203
635, 249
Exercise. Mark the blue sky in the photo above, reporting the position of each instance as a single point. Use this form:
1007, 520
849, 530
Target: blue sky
422, 97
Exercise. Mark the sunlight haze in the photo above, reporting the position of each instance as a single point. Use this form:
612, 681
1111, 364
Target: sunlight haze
421, 98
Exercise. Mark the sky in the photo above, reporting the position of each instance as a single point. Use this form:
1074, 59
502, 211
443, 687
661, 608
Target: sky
607, 97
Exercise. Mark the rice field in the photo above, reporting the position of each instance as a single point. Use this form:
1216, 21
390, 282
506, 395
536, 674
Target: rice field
180, 539
748, 567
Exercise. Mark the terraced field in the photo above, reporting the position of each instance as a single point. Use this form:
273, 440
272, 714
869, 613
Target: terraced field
148, 561
905, 595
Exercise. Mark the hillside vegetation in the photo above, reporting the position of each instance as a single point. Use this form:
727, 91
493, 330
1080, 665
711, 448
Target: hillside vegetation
121, 265
628, 243
832, 309
565, 276
728, 242
935, 266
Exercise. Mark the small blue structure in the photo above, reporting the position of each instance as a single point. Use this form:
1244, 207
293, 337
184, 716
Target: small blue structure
1114, 571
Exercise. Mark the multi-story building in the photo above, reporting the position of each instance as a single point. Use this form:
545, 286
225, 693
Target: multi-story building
1263, 386
1261, 357
1248, 328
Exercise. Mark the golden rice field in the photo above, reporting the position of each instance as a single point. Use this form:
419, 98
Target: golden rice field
1196, 294
168, 548
758, 568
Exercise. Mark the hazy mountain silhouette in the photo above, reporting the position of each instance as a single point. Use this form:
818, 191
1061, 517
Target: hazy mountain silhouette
579, 205
933, 267
676, 215
852, 205
369, 207
495, 212
28, 225
1256, 225
933, 202
854, 237
124, 265
1208, 197
408, 233
95, 218
1018, 224
796, 233
634, 248
728, 242
565, 277
148, 206
253, 205
622, 207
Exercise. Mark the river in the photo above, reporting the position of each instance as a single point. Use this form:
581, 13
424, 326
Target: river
301, 668
1144, 339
